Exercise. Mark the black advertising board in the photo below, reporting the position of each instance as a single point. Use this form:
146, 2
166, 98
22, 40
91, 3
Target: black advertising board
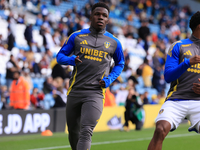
60, 120
18, 122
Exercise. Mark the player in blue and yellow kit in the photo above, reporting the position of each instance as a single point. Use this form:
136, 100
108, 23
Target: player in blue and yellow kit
90, 51
182, 69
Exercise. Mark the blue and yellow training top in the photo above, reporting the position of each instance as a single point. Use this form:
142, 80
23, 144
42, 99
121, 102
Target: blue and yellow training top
95, 50
179, 72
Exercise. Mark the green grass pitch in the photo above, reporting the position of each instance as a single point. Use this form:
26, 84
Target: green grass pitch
180, 139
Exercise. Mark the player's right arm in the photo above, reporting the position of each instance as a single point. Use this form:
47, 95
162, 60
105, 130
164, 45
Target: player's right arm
63, 57
173, 70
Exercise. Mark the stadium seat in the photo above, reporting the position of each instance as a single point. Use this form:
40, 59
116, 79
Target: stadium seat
116, 87
3, 79
154, 28
135, 62
3, 27
149, 9
151, 92
123, 76
164, 3
140, 81
48, 101
140, 89
3, 15
1, 105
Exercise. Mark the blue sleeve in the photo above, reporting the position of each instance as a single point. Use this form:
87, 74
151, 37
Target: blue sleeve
173, 70
65, 51
119, 65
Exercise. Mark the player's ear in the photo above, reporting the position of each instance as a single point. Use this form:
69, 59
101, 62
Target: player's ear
198, 26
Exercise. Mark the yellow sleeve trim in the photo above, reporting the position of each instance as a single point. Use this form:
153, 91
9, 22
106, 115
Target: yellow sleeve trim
71, 35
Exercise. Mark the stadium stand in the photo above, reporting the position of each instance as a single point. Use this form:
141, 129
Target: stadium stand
58, 21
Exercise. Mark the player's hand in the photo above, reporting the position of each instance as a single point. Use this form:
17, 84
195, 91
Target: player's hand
102, 83
77, 60
195, 60
196, 87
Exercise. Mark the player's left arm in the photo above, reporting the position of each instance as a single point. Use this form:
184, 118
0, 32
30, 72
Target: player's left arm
117, 69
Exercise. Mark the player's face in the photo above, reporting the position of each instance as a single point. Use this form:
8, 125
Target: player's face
99, 18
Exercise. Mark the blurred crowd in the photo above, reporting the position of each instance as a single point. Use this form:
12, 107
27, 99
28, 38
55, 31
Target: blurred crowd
43, 83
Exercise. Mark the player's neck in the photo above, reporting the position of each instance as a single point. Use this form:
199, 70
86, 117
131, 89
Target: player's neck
196, 34
101, 31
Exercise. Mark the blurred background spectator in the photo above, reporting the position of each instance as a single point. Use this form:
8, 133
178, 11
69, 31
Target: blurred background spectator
134, 111
10, 39
27, 77
36, 97
11, 67
19, 92
28, 35
5, 97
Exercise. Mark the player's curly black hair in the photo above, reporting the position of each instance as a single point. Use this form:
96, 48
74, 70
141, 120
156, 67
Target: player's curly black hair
195, 20
100, 4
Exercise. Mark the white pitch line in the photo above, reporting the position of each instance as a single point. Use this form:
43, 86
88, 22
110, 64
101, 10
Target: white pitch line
118, 141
